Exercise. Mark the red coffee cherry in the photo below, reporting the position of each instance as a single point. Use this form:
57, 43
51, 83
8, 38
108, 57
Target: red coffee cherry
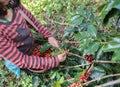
83, 78
88, 73
88, 57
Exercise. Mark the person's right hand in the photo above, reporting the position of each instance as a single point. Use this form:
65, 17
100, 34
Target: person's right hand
62, 57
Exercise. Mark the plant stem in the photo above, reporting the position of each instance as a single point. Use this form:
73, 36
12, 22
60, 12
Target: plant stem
70, 79
102, 61
75, 55
91, 67
98, 79
68, 67
96, 61
109, 83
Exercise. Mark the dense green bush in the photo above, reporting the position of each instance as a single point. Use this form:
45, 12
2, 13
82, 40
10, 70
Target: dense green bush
84, 35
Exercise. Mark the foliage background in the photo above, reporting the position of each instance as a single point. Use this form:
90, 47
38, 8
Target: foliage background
78, 26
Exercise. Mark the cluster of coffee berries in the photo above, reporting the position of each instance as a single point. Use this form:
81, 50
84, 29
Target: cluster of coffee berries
47, 53
36, 51
75, 84
84, 78
89, 58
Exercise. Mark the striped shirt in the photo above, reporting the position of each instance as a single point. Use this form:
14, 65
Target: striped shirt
16, 40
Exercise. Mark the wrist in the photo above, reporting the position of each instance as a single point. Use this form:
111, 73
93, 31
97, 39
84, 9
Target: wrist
57, 60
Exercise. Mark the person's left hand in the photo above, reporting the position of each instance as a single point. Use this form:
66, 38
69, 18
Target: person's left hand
53, 42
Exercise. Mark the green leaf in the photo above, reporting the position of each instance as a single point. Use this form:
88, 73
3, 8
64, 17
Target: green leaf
98, 72
92, 30
36, 81
116, 4
99, 53
77, 76
52, 76
93, 47
61, 80
116, 55
56, 84
110, 14
113, 45
69, 29
90, 15
44, 47
75, 17
81, 11
116, 39
77, 20
56, 52
43, 22
84, 44
82, 35
83, 72
100, 8
77, 37
108, 7
105, 11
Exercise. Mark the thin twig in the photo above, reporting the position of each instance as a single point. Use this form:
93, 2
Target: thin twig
76, 55
103, 61
98, 79
109, 83
96, 61
69, 67
90, 69
70, 79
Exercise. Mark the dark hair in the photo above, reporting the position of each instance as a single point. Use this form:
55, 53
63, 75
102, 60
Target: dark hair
12, 4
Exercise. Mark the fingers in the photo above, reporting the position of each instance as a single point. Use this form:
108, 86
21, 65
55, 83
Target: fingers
56, 44
53, 42
64, 55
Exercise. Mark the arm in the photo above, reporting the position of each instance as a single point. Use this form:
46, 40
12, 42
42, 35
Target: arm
42, 30
11, 53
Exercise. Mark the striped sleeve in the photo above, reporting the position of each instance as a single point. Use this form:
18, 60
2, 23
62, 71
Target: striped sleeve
11, 53
42, 29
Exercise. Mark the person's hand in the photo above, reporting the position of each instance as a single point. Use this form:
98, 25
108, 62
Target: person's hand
62, 57
53, 42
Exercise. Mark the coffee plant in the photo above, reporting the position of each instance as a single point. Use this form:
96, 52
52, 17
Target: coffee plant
92, 49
